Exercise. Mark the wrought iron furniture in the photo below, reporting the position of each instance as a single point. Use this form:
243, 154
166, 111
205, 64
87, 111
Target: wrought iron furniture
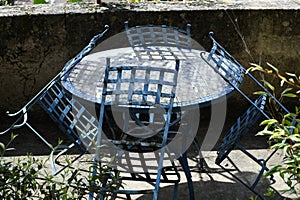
67, 112
231, 71
148, 99
195, 77
156, 42
85, 82
70, 104
231, 141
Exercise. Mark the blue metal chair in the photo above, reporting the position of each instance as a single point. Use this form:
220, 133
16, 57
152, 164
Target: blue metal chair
69, 113
145, 105
232, 138
161, 42
155, 42
232, 71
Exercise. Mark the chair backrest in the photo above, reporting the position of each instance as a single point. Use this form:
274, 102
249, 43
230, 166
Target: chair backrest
233, 72
154, 35
56, 102
145, 95
226, 65
140, 85
70, 114
240, 128
159, 42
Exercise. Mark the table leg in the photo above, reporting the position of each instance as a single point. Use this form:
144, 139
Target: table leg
185, 166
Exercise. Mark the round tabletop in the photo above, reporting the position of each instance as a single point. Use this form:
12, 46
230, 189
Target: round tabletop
197, 82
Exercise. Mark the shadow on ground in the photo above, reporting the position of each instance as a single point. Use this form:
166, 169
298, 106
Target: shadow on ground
215, 190
206, 185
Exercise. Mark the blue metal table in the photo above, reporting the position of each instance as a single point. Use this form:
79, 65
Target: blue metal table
197, 84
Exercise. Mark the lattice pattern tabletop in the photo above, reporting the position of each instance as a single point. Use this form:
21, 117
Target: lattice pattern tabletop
197, 82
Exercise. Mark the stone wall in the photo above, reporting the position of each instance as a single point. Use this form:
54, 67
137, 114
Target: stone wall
36, 41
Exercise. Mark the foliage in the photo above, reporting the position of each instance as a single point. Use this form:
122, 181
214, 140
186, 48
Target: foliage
39, 2
47, 1
6, 2
28, 178
74, 1
283, 128
285, 135
289, 87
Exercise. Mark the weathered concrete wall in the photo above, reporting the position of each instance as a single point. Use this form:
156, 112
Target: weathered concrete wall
36, 41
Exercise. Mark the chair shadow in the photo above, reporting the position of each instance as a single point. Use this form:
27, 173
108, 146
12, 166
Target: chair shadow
209, 188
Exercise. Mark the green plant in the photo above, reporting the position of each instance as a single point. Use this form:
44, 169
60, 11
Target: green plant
28, 178
283, 129
285, 135
6, 3
39, 2
74, 1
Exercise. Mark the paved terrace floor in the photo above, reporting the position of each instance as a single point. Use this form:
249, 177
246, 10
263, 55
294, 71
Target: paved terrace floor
218, 185
214, 185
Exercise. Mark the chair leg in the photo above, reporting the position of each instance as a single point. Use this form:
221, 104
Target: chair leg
175, 191
261, 162
242, 182
159, 172
184, 164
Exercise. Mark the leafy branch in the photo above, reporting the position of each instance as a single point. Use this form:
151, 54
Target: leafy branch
283, 129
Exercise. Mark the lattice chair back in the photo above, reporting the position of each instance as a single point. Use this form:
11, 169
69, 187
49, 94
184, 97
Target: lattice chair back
144, 95
231, 141
71, 116
233, 72
240, 128
154, 35
230, 69
159, 42
140, 94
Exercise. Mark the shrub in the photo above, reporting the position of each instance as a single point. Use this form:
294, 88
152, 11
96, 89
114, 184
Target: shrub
28, 178
283, 129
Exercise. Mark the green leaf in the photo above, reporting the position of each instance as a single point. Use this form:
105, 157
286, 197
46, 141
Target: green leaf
11, 149
290, 74
260, 93
255, 67
291, 80
297, 145
291, 95
274, 68
286, 149
268, 121
289, 182
39, 2
287, 90
270, 192
13, 136
2, 146
269, 85
264, 132
73, 1
294, 137
281, 175
277, 146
